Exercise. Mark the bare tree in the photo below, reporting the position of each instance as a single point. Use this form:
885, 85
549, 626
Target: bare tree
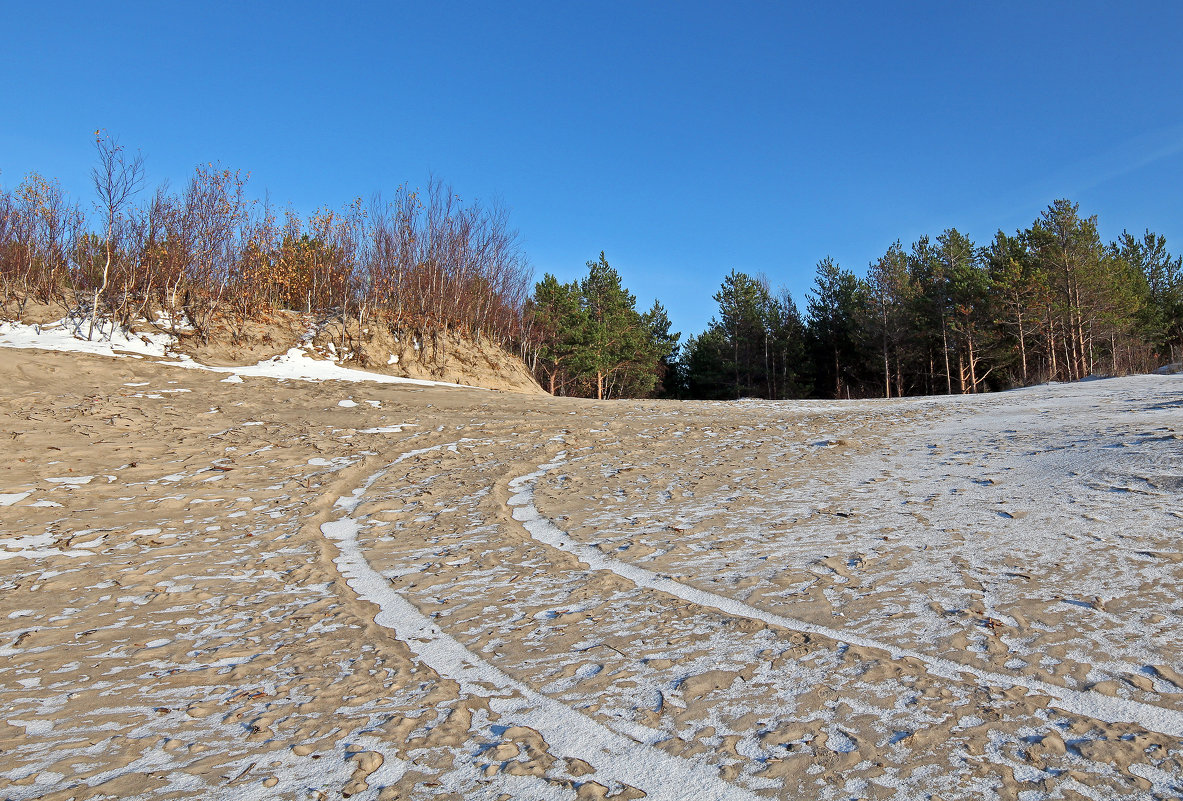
116, 180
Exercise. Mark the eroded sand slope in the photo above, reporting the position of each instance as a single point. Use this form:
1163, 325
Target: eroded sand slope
255, 590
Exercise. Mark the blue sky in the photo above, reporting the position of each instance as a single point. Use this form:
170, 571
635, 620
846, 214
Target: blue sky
683, 139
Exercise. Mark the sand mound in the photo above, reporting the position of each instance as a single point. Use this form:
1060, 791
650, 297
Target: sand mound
232, 342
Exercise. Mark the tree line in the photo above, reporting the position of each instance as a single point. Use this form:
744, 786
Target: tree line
945, 315
1051, 302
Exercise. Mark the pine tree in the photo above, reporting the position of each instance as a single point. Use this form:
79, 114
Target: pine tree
743, 312
789, 369
663, 349
1019, 291
590, 339
560, 324
833, 312
1069, 250
1160, 321
707, 365
967, 288
889, 292
614, 329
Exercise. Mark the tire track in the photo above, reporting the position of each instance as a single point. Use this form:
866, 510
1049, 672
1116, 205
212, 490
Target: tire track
1079, 702
616, 757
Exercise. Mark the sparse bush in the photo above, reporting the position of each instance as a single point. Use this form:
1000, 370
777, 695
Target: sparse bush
425, 264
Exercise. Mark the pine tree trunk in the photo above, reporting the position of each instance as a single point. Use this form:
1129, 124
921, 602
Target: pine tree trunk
1022, 347
948, 373
1051, 348
735, 356
767, 374
1067, 339
886, 364
886, 371
973, 368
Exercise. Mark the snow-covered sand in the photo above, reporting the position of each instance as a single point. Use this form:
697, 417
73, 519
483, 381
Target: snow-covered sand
263, 589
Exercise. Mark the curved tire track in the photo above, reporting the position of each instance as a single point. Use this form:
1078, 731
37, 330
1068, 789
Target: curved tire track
616, 757
1085, 703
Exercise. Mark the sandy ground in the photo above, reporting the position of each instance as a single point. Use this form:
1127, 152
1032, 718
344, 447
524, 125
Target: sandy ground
282, 589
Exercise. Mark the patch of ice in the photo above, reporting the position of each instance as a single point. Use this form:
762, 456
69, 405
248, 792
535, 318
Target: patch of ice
35, 546
33, 728
8, 499
398, 429
840, 742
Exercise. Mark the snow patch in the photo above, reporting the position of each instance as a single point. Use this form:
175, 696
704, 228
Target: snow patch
297, 364
75, 336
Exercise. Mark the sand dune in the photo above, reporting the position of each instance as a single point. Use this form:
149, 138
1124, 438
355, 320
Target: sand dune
318, 589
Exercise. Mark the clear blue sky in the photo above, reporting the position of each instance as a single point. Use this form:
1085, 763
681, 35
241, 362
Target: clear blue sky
684, 139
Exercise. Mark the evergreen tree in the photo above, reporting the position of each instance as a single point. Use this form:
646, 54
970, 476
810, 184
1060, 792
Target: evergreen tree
560, 324
1069, 250
929, 316
833, 312
1019, 292
1160, 321
754, 348
616, 335
707, 365
889, 293
743, 315
789, 370
967, 287
665, 348
592, 341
